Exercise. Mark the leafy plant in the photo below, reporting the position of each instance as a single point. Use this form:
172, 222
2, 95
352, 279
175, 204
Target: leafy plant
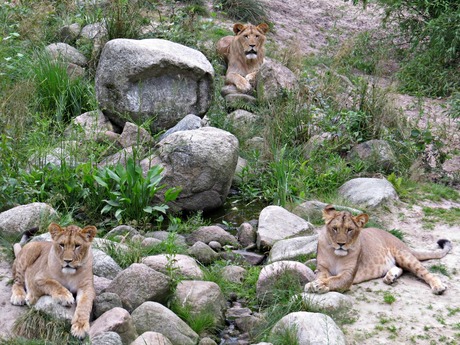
431, 29
131, 195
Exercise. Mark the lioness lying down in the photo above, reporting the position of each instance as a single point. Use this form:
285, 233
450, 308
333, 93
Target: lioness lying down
244, 54
349, 254
60, 269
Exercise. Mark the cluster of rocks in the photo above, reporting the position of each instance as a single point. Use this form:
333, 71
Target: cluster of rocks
131, 304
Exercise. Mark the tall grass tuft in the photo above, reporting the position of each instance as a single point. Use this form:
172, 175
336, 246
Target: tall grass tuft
35, 324
251, 11
58, 95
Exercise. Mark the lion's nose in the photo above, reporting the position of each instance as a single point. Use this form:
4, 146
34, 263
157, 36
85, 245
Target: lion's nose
68, 261
341, 244
252, 46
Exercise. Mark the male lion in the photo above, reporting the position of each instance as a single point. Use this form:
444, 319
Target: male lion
60, 269
244, 54
349, 254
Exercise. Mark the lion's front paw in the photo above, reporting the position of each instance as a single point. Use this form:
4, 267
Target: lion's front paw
18, 299
243, 85
65, 298
251, 78
317, 286
80, 329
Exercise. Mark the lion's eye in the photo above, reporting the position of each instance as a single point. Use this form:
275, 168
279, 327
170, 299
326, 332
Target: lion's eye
77, 246
257, 36
246, 36
349, 230
62, 246
334, 229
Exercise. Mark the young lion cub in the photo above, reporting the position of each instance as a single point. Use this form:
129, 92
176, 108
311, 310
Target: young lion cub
60, 269
349, 254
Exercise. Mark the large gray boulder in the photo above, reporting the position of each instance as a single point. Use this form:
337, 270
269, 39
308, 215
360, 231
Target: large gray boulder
64, 51
139, 283
273, 79
211, 233
201, 162
152, 80
310, 329
154, 317
180, 264
368, 192
293, 248
377, 153
277, 223
94, 125
274, 275
201, 297
151, 338
21, 218
115, 320
104, 265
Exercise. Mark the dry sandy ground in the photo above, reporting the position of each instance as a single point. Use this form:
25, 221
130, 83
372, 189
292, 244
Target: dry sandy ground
9, 313
416, 316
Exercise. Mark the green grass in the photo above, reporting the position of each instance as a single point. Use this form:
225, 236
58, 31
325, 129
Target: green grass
37, 325
388, 298
202, 322
440, 268
133, 251
434, 215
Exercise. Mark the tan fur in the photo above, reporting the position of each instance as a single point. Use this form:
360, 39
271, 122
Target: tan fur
60, 269
349, 254
244, 54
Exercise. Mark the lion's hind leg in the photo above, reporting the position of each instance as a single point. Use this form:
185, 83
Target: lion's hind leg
394, 273
409, 262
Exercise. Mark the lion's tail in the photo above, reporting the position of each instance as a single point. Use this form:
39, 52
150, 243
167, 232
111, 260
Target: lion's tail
445, 247
24, 238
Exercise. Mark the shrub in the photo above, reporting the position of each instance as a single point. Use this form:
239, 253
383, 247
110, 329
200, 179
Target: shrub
431, 28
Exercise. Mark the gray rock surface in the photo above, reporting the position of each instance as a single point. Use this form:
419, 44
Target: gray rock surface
368, 192
152, 80
310, 329
276, 223
154, 317
18, 219
139, 283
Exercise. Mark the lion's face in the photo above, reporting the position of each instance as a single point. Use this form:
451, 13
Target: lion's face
343, 229
251, 39
71, 245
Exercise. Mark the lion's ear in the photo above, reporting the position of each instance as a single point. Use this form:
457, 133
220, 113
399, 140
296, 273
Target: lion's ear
237, 28
328, 213
55, 229
361, 220
263, 27
89, 231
